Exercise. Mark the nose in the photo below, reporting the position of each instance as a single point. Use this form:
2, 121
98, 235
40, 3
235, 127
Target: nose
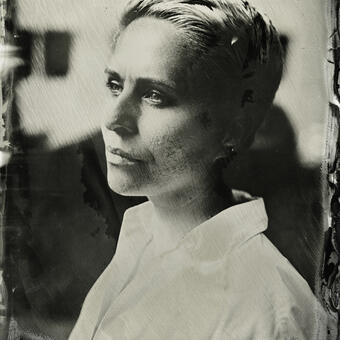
122, 116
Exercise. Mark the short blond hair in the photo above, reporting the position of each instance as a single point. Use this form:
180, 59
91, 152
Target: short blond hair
225, 32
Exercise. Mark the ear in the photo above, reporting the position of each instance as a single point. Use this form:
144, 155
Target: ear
239, 130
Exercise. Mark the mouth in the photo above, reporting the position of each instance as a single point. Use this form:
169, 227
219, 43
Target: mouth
117, 156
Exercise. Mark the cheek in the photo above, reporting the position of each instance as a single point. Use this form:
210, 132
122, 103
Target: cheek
205, 121
182, 144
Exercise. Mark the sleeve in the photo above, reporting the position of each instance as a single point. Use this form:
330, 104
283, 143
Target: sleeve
299, 325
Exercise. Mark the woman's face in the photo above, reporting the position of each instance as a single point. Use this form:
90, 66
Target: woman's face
164, 126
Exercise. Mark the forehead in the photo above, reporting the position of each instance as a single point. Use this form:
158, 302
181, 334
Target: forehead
157, 49
151, 47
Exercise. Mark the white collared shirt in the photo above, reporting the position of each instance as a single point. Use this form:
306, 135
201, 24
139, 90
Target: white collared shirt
224, 280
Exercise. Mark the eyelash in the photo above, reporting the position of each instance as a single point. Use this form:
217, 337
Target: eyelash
116, 89
110, 84
159, 101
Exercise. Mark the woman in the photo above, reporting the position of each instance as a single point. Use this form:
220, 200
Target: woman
190, 82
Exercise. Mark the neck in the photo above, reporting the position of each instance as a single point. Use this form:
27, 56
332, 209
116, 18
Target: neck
177, 213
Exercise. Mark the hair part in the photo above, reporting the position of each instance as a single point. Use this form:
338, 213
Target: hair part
227, 36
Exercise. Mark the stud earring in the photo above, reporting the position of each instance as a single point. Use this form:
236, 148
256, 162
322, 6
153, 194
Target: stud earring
231, 152
228, 155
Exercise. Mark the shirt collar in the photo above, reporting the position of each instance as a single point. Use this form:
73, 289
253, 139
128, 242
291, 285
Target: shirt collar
223, 232
228, 229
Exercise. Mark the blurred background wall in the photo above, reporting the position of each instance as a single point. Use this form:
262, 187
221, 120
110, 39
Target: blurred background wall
65, 220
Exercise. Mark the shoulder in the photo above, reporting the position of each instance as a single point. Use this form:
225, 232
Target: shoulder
131, 241
276, 299
136, 216
135, 223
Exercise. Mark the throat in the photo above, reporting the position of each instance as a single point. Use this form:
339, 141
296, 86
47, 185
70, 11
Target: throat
176, 215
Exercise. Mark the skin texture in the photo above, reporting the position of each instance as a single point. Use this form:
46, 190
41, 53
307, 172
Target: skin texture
173, 124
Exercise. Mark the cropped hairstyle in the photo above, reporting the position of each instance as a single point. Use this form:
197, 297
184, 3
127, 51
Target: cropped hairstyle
230, 35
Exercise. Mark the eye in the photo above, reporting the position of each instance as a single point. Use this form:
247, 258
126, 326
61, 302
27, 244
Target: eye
155, 97
114, 86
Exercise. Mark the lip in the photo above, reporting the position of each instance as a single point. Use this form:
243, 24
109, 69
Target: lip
119, 157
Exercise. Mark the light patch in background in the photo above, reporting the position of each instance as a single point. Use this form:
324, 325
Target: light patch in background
5, 157
302, 93
311, 139
66, 109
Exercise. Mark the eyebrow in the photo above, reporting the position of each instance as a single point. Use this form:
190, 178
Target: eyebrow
112, 73
170, 85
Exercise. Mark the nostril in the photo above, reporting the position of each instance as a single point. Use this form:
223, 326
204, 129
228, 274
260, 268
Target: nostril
121, 130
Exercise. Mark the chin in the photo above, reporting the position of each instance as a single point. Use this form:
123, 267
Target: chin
124, 190
124, 184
